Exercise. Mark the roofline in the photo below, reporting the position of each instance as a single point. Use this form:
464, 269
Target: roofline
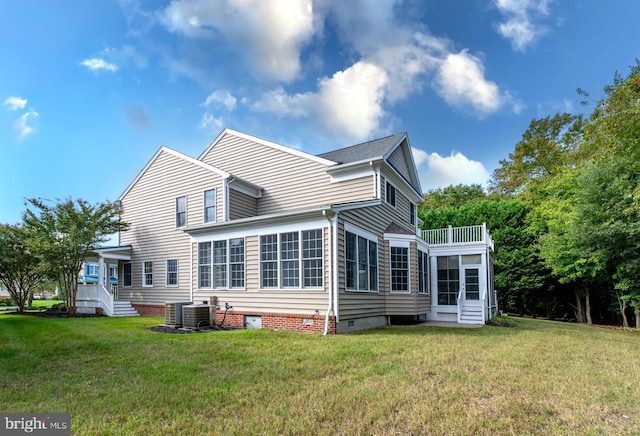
203, 228
264, 142
405, 136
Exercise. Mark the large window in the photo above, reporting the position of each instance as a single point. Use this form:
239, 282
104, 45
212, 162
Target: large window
361, 256
448, 280
391, 194
210, 206
399, 269
172, 272
126, 274
423, 272
221, 264
295, 258
269, 261
147, 274
204, 265
181, 211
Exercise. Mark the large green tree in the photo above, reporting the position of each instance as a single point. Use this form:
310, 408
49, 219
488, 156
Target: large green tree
65, 232
20, 268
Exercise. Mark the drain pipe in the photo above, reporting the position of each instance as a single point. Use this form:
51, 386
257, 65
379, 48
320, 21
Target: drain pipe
330, 215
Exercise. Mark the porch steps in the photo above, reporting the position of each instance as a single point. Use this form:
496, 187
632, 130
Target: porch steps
124, 308
471, 315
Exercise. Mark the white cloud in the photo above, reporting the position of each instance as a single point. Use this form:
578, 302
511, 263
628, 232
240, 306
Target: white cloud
419, 156
15, 103
97, 64
519, 27
461, 82
223, 98
271, 34
348, 103
208, 121
439, 171
21, 124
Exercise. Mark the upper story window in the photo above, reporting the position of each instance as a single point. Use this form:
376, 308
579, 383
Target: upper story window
181, 211
210, 206
412, 214
361, 255
391, 194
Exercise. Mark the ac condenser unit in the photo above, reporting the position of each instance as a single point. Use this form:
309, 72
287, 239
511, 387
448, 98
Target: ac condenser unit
173, 312
195, 315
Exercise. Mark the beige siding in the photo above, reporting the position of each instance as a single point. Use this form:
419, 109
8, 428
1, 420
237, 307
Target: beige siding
400, 213
256, 300
150, 207
290, 182
241, 205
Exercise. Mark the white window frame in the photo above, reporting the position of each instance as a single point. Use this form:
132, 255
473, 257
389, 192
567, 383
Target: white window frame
412, 213
211, 206
405, 246
179, 212
300, 261
171, 285
92, 269
370, 238
423, 272
224, 264
269, 261
145, 274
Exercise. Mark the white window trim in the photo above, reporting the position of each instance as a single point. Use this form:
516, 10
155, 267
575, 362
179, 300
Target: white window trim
186, 208
215, 205
144, 278
278, 260
199, 265
400, 244
371, 237
166, 274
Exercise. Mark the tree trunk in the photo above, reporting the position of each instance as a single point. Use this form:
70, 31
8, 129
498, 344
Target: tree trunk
637, 312
579, 311
587, 308
622, 303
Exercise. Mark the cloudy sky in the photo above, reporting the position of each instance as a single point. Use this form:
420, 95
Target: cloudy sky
90, 90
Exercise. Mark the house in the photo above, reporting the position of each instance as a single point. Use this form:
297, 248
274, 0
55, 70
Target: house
288, 240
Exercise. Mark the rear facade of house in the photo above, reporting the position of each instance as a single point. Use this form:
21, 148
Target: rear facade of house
288, 240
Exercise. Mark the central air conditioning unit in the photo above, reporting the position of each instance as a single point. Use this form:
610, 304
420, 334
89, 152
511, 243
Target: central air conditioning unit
196, 315
173, 312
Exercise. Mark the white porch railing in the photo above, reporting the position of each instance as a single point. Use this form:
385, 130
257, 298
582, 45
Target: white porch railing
97, 296
458, 235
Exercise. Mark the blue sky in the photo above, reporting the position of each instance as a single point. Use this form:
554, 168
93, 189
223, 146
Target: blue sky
90, 90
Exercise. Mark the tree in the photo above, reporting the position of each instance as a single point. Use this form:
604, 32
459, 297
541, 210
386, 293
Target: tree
452, 196
65, 233
20, 269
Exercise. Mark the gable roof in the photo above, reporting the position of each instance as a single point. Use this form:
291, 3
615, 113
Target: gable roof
273, 145
252, 187
371, 150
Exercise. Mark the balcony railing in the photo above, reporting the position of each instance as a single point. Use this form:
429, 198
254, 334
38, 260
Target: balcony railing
458, 236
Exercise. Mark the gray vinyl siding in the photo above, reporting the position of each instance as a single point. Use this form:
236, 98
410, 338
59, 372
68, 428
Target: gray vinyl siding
399, 162
289, 182
150, 208
241, 205
255, 300
399, 214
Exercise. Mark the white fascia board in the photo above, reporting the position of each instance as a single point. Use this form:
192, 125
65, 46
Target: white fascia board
177, 154
357, 205
255, 229
268, 144
393, 237
343, 176
453, 250
246, 187
408, 154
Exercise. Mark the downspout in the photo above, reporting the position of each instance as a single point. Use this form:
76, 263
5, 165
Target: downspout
330, 215
191, 242
376, 180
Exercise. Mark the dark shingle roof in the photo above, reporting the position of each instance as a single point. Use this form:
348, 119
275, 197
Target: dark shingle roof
367, 150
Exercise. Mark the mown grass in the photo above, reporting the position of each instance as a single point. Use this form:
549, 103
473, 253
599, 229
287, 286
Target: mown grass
115, 376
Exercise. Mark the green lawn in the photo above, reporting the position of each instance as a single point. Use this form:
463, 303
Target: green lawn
115, 376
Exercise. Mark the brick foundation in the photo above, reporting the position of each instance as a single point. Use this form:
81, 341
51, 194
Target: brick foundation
271, 321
